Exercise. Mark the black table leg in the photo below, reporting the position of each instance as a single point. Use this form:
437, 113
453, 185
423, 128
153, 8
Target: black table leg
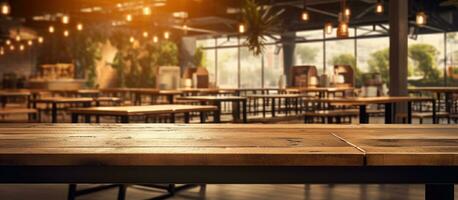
273, 107
409, 112
74, 118
264, 105
439, 192
388, 113
435, 121
217, 113
172, 118
54, 112
125, 119
363, 117
244, 111
186, 118
202, 117
71, 192
87, 118
170, 98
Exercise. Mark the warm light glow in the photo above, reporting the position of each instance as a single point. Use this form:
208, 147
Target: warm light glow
21, 47
18, 38
166, 35
51, 29
8, 42
347, 12
66, 33
79, 27
305, 15
342, 30
65, 19
155, 39
131, 39
146, 11
242, 28
6, 9
129, 18
2, 52
379, 7
30, 42
421, 18
12, 48
40, 40
328, 28
145, 34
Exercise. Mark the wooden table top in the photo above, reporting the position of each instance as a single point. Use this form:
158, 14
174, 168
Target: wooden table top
63, 100
369, 100
227, 145
213, 98
320, 89
278, 96
434, 89
6, 93
142, 110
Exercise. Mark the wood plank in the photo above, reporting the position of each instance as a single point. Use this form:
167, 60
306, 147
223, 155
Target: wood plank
142, 110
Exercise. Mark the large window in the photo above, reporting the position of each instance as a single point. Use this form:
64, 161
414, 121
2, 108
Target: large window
227, 76
310, 53
273, 65
250, 69
452, 59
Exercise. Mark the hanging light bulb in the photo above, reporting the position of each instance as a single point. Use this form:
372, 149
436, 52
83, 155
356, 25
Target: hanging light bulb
129, 17
40, 40
66, 33
166, 35
8, 42
6, 9
146, 10
347, 12
342, 30
51, 29
65, 19
12, 48
145, 34
30, 43
242, 28
21, 47
2, 51
155, 39
328, 28
421, 18
79, 27
305, 15
18, 38
131, 39
379, 9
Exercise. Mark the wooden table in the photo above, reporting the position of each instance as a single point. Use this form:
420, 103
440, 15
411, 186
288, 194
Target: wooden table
323, 92
5, 94
296, 98
389, 102
125, 112
54, 101
232, 154
217, 100
438, 91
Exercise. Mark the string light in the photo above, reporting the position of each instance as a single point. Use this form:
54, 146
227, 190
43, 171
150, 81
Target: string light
51, 29
129, 18
18, 38
66, 33
166, 35
145, 34
155, 39
6, 9
40, 40
65, 19
421, 18
305, 14
146, 11
79, 27
30, 42
12, 48
242, 28
21, 47
347, 12
131, 39
328, 28
2, 51
8, 42
379, 7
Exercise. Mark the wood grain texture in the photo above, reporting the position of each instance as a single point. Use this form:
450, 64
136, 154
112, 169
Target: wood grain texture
63, 100
142, 110
434, 89
213, 98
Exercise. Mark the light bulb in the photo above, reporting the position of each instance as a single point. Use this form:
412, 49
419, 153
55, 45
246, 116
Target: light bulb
131, 39
166, 35
379, 8
342, 30
18, 38
305, 15
6, 9
328, 28
146, 11
8, 42
12, 48
30, 42
2, 52
79, 27
421, 18
155, 39
65, 19
347, 12
145, 34
242, 28
21, 47
129, 18
66, 33
40, 40
51, 29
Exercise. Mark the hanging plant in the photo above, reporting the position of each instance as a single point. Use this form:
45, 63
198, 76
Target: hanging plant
262, 22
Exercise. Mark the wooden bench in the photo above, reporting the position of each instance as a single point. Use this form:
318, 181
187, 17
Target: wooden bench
32, 113
232, 154
423, 115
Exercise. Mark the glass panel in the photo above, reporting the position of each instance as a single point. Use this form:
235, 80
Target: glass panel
452, 59
227, 68
426, 60
273, 66
310, 35
373, 57
205, 43
339, 52
309, 54
209, 63
250, 69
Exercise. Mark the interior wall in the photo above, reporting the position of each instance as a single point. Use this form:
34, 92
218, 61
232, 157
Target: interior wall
22, 63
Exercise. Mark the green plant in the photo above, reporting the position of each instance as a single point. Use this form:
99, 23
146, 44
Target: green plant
424, 57
262, 22
199, 56
306, 53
